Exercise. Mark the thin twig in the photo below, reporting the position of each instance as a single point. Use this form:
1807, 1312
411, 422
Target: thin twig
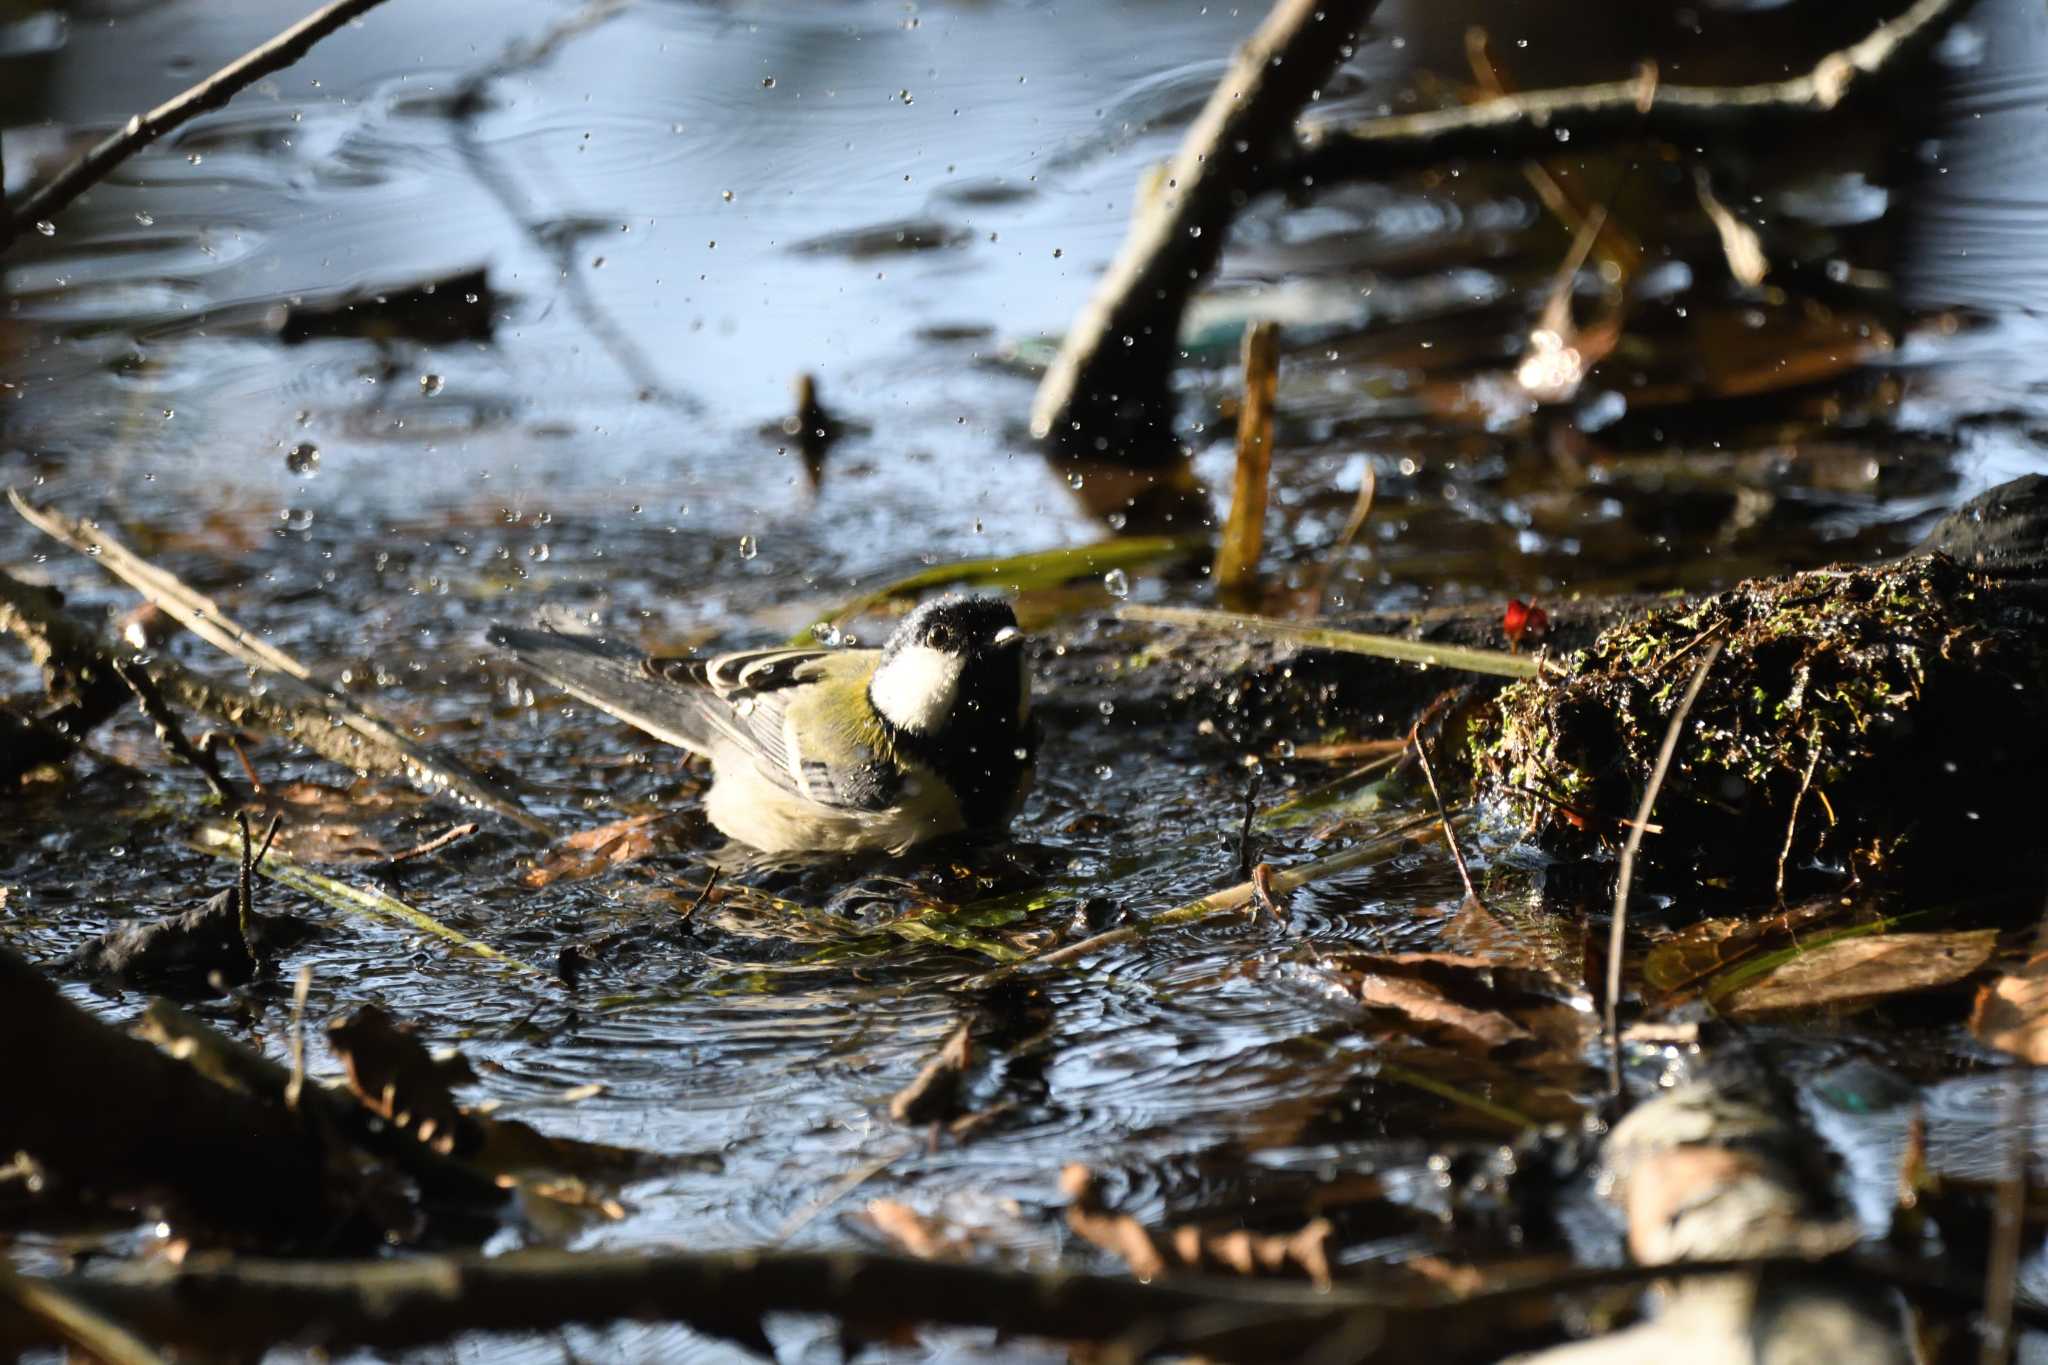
1619, 929
453, 834
1792, 821
1444, 818
1533, 124
301, 989
204, 618
211, 93
2008, 1223
158, 712
91, 1331
1361, 508
703, 894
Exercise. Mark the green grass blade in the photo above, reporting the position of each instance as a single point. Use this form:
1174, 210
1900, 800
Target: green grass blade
1038, 569
1497, 662
283, 869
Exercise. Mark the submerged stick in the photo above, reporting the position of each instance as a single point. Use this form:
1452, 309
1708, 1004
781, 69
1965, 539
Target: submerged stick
211, 93
1237, 558
1496, 662
204, 618
1619, 930
1108, 384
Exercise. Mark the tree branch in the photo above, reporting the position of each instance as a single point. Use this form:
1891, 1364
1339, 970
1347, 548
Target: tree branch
211, 93
1531, 123
1109, 381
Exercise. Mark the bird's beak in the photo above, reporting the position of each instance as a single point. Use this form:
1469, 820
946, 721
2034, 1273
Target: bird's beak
1008, 635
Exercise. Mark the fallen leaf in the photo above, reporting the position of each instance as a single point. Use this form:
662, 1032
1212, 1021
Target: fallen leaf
1425, 1004
591, 851
2012, 1012
1849, 971
1481, 1004
1698, 951
395, 1076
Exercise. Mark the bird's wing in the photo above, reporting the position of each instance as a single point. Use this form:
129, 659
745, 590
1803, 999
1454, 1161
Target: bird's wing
735, 705
758, 699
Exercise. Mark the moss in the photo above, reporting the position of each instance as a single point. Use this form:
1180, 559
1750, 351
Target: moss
1922, 687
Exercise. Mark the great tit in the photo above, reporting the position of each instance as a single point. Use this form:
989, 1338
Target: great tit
831, 750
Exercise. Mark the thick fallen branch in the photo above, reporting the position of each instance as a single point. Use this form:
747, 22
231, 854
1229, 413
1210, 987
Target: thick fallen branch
1535, 122
300, 691
211, 93
226, 1305
1107, 390
106, 1112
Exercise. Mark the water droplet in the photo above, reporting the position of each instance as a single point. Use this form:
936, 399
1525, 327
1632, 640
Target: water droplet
1058, 252
431, 384
303, 460
904, 95
46, 227
749, 547
1117, 582
540, 553
767, 82
1284, 749
1075, 481
1107, 708
146, 219
727, 196
1103, 772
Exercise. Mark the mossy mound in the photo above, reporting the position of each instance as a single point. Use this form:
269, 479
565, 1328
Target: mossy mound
1915, 693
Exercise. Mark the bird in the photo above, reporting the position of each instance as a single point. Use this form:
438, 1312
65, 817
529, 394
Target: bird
821, 750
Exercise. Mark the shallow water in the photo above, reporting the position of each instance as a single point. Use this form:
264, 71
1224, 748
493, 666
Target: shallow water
679, 206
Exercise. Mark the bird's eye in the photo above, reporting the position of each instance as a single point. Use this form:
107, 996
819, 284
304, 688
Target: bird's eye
941, 637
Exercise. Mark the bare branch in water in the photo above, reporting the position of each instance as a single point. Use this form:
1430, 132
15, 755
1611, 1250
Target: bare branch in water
213, 92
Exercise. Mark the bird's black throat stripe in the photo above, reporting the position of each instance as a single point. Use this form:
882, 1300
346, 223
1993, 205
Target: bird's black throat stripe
983, 748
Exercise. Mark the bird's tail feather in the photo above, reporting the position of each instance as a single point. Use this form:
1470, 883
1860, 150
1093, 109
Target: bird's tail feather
612, 678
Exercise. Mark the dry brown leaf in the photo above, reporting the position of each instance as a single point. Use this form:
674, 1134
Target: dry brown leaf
1700, 950
1851, 971
1478, 1003
1425, 1004
395, 1076
591, 851
2012, 1012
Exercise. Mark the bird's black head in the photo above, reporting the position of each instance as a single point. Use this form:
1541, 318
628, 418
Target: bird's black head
951, 685
961, 627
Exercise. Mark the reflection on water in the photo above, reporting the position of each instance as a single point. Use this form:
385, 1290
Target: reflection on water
641, 223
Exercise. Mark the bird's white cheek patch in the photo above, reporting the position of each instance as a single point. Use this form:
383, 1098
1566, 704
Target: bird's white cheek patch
915, 690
